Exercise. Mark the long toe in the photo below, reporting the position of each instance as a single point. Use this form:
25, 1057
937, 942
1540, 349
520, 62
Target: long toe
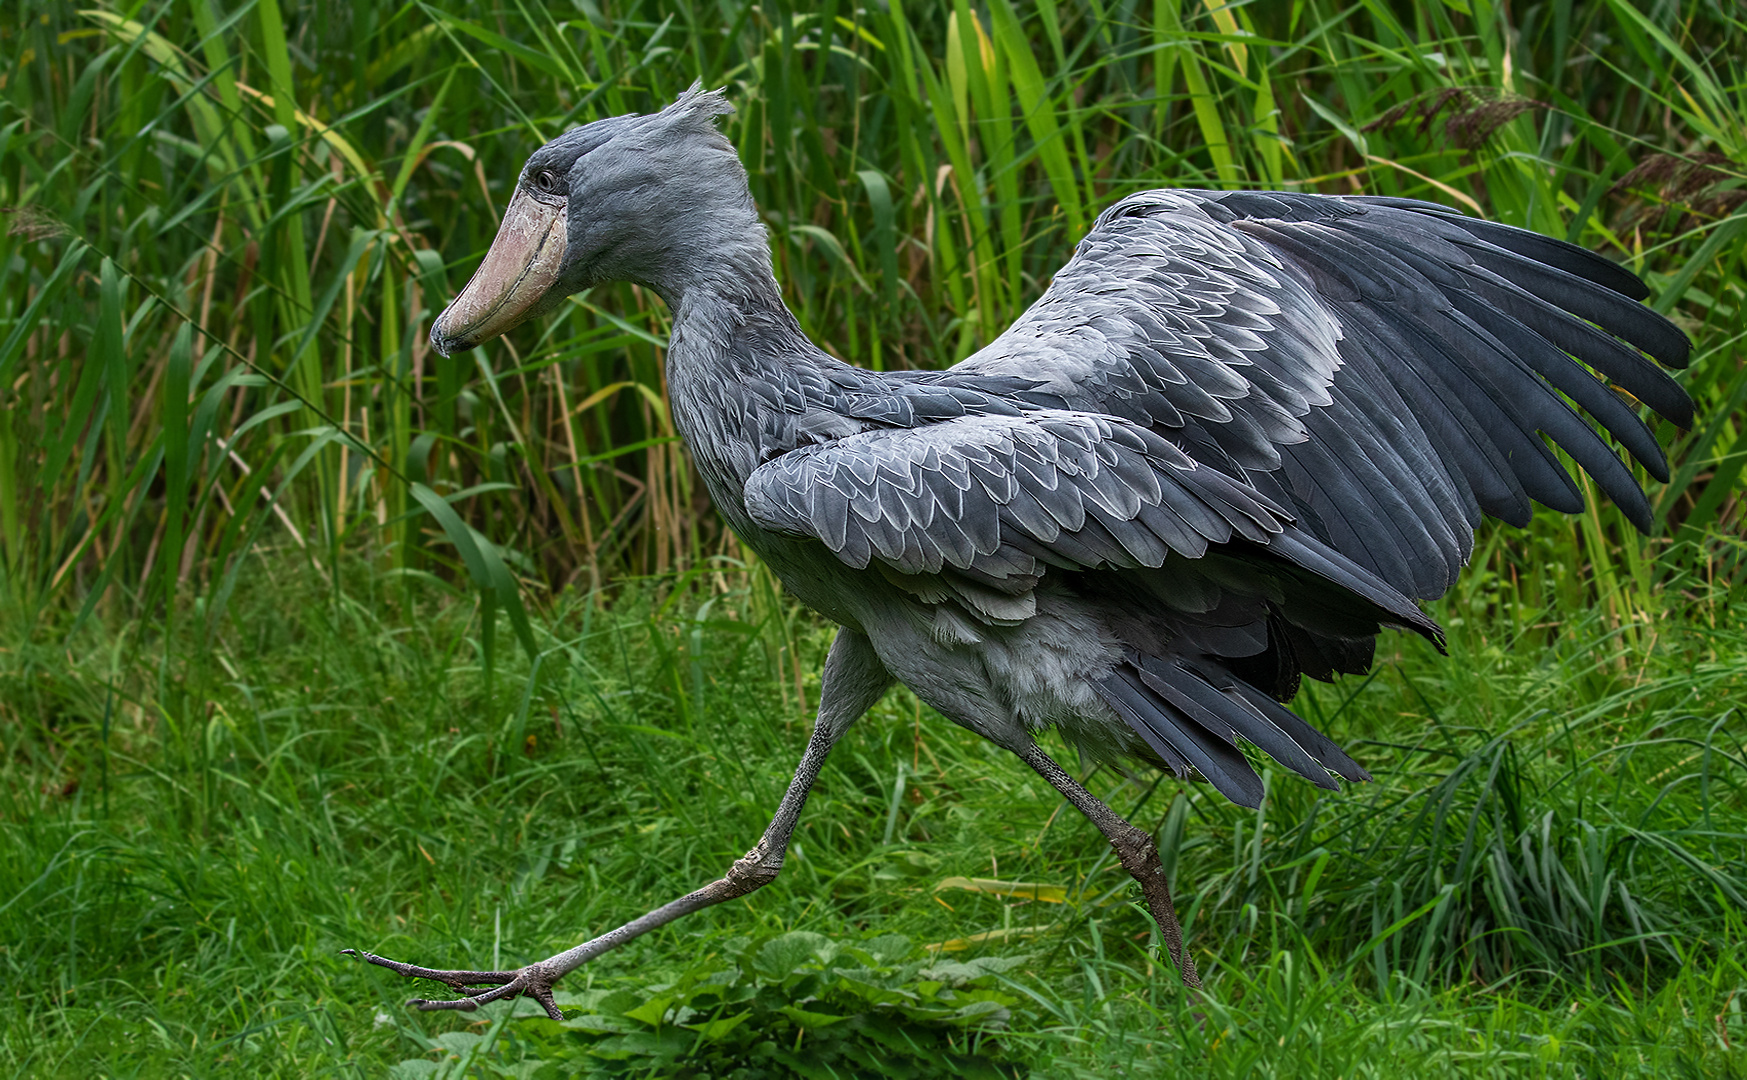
532, 981
476, 996
476, 987
455, 980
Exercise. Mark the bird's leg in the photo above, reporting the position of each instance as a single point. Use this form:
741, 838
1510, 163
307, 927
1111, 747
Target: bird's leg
753, 870
853, 681
1137, 850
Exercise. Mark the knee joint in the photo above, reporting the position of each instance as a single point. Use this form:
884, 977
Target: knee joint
754, 871
1135, 848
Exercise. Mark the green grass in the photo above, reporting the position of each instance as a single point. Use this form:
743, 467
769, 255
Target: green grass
1546, 878
233, 227
310, 638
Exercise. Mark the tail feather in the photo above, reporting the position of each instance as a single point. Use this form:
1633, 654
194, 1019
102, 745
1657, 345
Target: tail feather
1318, 745
1227, 715
1173, 735
1192, 715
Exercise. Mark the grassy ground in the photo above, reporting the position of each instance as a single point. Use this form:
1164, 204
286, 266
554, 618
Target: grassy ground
1547, 877
312, 639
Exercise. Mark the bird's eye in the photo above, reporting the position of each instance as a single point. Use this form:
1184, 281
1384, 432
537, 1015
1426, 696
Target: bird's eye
546, 182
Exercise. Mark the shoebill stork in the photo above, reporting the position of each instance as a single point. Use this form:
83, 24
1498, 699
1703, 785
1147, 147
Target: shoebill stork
1238, 435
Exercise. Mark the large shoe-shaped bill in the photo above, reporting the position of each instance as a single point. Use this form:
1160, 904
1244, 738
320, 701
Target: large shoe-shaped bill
517, 272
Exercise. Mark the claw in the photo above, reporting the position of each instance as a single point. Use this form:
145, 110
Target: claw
533, 981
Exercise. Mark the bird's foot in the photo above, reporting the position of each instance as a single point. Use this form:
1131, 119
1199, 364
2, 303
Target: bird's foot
757, 867
476, 987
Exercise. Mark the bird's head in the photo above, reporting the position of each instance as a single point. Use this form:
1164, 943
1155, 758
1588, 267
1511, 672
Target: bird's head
651, 199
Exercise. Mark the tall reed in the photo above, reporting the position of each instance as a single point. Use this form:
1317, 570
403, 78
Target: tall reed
230, 227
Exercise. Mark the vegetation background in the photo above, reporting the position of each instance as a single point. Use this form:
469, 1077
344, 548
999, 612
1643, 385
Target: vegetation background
311, 638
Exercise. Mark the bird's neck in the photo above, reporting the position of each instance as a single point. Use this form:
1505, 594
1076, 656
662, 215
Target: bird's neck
730, 324
713, 267
738, 368
714, 251
739, 352
727, 301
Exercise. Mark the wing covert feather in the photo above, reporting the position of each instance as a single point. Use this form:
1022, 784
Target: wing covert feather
1077, 489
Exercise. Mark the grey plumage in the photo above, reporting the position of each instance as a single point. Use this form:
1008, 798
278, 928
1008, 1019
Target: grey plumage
1215, 371
1239, 434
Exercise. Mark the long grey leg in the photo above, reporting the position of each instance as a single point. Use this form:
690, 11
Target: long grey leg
1136, 849
854, 679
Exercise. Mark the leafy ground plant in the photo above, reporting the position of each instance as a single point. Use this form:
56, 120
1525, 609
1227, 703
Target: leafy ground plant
796, 1004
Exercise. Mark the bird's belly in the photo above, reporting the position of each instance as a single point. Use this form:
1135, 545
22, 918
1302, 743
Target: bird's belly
1007, 683
812, 575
